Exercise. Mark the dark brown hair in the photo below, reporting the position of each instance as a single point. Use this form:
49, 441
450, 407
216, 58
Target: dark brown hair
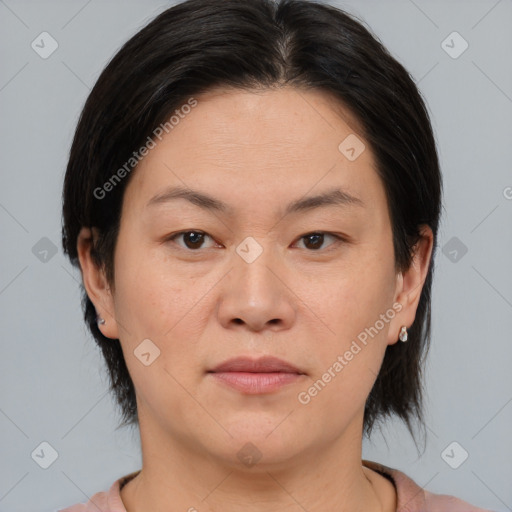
199, 44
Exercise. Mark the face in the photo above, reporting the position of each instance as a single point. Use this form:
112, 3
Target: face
280, 246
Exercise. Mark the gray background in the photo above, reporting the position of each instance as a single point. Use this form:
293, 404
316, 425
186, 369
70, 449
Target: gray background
53, 386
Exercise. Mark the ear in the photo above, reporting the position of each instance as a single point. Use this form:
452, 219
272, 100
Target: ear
95, 282
409, 284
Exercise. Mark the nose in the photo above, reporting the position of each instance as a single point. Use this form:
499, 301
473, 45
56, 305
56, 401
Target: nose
256, 295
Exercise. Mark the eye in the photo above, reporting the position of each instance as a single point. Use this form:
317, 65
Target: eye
192, 239
314, 241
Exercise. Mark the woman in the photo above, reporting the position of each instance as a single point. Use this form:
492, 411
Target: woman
253, 198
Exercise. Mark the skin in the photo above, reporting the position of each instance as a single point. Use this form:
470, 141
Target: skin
257, 152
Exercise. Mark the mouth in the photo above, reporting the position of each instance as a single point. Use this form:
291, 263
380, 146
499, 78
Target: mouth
256, 376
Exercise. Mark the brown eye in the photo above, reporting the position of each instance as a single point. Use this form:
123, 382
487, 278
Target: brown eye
192, 240
314, 241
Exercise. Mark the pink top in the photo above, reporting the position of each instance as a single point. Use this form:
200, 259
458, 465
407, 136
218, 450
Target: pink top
410, 497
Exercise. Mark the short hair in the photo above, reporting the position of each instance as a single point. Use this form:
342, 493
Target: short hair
197, 45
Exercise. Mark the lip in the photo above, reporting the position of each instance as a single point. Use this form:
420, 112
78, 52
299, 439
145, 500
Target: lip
265, 364
256, 376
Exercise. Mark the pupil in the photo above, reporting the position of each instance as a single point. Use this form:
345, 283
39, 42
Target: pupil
195, 238
317, 238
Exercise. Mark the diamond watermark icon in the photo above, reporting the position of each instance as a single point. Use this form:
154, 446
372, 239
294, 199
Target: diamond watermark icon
249, 455
454, 455
454, 249
44, 250
249, 250
44, 455
44, 45
351, 147
147, 352
454, 45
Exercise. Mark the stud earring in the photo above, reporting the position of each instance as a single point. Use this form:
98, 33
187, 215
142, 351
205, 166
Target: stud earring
100, 320
403, 333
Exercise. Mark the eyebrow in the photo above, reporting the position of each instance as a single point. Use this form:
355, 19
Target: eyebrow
331, 197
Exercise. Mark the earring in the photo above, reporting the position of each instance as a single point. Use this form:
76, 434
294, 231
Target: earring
403, 333
100, 320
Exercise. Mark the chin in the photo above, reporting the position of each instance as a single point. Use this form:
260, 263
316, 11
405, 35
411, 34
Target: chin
261, 441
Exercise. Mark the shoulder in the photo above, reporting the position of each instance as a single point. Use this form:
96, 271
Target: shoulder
104, 501
98, 503
443, 502
412, 498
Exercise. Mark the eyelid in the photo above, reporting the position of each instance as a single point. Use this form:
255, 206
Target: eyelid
339, 238
173, 236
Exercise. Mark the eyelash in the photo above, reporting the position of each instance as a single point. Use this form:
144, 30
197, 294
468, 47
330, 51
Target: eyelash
339, 238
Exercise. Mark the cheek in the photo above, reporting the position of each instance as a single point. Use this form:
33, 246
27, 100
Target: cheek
170, 308
355, 307
350, 357
152, 298
163, 308
354, 297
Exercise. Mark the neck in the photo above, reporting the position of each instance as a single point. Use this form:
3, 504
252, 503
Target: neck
320, 478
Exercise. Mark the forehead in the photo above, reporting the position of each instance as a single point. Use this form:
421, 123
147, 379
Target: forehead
268, 119
259, 146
